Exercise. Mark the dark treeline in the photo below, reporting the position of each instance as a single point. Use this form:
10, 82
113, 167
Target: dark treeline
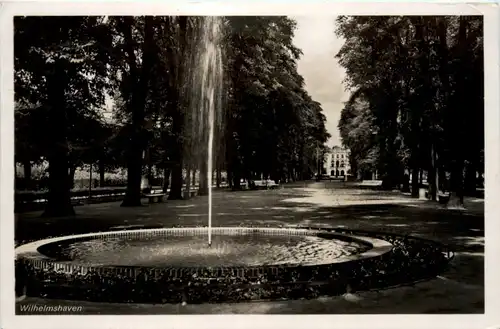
417, 103
67, 67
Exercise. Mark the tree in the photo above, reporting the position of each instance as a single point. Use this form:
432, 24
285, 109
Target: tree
358, 132
135, 50
30, 123
420, 77
272, 121
60, 71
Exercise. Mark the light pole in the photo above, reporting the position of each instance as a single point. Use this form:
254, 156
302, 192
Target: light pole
317, 163
90, 184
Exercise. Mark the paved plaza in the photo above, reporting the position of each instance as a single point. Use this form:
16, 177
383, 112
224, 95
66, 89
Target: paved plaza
328, 204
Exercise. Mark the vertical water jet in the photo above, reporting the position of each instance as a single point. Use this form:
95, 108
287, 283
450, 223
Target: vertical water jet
206, 76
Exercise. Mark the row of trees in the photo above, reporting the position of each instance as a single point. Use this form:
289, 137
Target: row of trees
417, 99
67, 69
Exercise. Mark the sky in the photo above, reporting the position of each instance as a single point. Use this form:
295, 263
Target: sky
322, 74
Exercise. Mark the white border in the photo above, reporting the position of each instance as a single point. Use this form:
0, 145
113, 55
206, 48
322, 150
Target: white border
491, 318
240, 7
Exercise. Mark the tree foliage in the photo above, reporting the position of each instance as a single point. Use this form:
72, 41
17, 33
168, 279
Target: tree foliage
418, 85
274, 124
67, 67
60, 75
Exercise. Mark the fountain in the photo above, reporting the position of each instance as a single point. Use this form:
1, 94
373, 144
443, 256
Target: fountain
206, 81
173, 265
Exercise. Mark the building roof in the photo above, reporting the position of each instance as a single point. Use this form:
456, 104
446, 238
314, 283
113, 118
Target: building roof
338, 148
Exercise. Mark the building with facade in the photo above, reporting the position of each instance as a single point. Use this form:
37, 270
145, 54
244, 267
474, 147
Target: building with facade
336, 162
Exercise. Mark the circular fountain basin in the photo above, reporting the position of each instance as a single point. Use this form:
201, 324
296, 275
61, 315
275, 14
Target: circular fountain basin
188, 247
252, 249
173, 265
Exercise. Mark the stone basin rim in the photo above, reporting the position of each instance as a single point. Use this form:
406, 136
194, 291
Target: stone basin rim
378, 247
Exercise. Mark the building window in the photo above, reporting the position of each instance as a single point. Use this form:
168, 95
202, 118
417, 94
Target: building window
337, 163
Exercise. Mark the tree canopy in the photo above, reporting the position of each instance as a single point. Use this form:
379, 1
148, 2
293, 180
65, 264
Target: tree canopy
417, 84
66, 68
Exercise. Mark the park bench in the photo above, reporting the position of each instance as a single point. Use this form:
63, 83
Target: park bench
190, 194
154, 197
105, 196
272, 184
442, 197
259, 184
77, 202
35, 200
264, 184
243, 185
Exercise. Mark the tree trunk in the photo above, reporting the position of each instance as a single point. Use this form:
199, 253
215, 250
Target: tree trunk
437, 179
187, 192
177, 156
236, 180
102, 172
166, 179
230, 178
203, 179
470, 179
134, 177
177, 69
432, 177
218, 177
137, 108
236, 183
456, 196
406, 182
444, 184
444, 78
150, 175
388, 181
59, 196
458, 118
176, 185
27, 174
72, 171
418, 107
414, 182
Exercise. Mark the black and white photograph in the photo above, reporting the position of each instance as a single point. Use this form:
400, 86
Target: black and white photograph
199, 164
